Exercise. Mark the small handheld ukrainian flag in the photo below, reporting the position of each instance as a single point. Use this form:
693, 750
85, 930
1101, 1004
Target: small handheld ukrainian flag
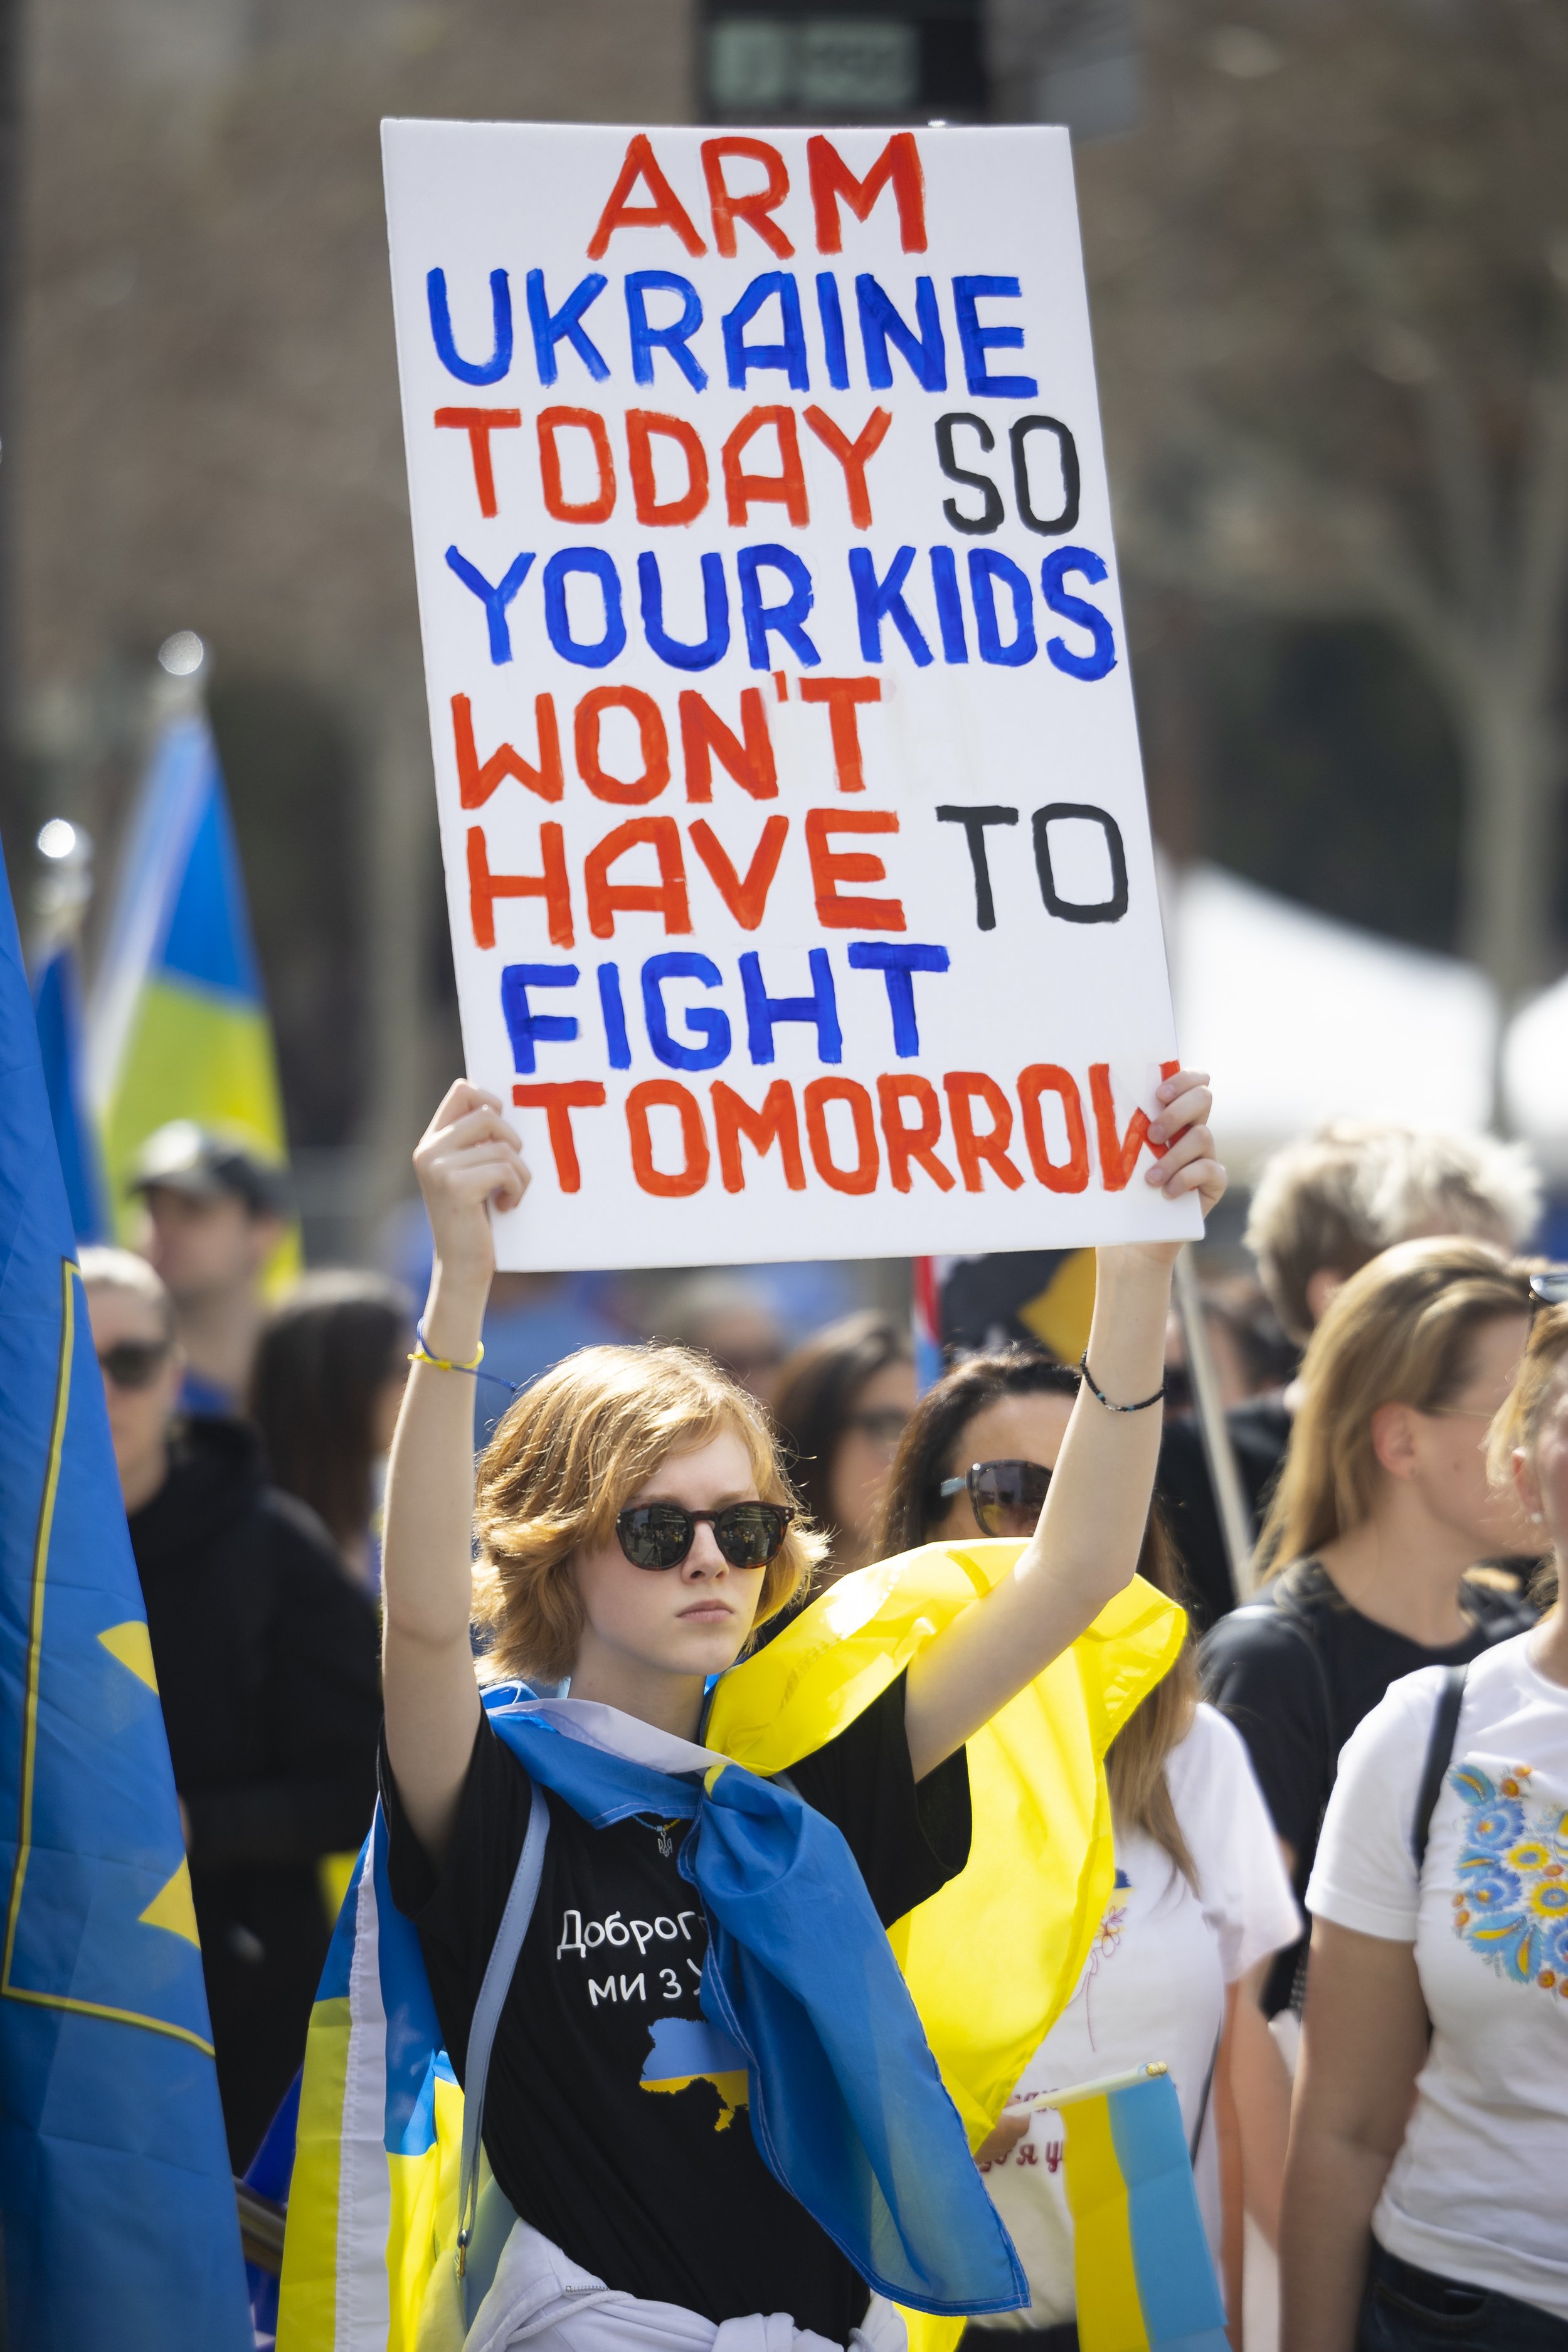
1141, 2269
115, 2190
177, 1026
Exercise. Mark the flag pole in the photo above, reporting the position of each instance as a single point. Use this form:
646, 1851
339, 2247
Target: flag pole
1077, 2093
1230, 1503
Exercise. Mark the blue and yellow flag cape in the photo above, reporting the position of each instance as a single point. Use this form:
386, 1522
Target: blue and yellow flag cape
115, 2190
373, 2209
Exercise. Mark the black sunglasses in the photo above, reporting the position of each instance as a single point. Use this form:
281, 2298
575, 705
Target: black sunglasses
659, 1535
135, 1363
1007, 1497
1548, 1289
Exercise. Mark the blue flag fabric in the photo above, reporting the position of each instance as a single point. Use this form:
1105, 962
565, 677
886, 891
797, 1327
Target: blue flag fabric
847, 2108
56, 1007
120, 2221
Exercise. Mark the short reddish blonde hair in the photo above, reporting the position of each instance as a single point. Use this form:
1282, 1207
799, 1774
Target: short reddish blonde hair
568, 1456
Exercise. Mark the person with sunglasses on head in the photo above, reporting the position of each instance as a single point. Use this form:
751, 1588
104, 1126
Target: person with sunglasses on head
844, 1399
634, 1527
1423, 2202
1201, 1901
1323, 1207
265, 1653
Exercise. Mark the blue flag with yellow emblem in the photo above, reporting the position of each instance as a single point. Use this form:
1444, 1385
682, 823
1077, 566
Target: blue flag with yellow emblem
115, 2191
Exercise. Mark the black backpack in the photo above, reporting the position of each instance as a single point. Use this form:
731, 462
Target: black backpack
1296, 1611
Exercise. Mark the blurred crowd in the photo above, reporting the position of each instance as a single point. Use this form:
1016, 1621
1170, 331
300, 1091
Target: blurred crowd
1363, 1347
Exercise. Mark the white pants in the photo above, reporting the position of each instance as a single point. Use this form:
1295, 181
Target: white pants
540, 2297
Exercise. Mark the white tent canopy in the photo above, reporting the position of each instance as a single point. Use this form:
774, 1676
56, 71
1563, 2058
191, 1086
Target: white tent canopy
1302, 1019
1535, 1077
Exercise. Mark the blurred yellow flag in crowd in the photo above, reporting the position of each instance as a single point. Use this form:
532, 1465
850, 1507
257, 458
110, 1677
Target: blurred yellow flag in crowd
177, 1028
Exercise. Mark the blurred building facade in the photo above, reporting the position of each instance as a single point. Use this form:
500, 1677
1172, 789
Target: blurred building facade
211, 440
1298, 407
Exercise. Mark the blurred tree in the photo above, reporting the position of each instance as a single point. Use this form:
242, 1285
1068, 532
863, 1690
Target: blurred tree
1332, 775
213, 442
289, 766
1329, 276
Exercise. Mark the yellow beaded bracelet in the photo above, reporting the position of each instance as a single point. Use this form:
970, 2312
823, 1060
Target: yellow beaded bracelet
421, 1355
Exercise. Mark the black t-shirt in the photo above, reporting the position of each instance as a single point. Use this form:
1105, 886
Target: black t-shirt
1296, 1670
659, 2193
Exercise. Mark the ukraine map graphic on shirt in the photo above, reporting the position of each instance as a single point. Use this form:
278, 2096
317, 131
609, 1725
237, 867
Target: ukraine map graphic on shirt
684, 2050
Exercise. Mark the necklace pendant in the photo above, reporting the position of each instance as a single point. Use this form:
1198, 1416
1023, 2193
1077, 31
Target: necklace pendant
664, 1844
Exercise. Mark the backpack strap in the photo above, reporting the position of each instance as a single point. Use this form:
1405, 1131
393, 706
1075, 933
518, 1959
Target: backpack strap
500, 1969
1203, 2102
1297, 1614
1439, 1755
1288, 1609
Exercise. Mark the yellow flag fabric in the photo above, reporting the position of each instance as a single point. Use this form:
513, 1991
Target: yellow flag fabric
178, 1026
994, 1958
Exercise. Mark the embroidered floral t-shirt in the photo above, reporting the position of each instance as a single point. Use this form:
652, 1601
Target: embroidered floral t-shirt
1476, 2191
1153, 1986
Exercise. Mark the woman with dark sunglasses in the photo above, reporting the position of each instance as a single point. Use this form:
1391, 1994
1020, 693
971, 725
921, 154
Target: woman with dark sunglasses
1201, 1901
634, 1526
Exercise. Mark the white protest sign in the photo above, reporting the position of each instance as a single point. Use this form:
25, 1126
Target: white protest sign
800, 879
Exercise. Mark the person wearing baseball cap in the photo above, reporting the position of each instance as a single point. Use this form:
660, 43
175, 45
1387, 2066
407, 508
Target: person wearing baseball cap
214, 1211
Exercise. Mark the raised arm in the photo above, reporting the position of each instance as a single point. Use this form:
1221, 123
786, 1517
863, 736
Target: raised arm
467, 1157
1086, 1546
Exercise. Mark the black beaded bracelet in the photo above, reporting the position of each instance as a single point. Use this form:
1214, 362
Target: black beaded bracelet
1097, 1391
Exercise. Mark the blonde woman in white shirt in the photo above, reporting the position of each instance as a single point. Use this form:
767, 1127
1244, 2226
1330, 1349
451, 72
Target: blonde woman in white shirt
1424, 2199
1202, 1898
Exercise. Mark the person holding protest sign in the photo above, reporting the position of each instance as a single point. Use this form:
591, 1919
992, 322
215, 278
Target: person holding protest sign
616, 1464
1424, 2194
1202, 1899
